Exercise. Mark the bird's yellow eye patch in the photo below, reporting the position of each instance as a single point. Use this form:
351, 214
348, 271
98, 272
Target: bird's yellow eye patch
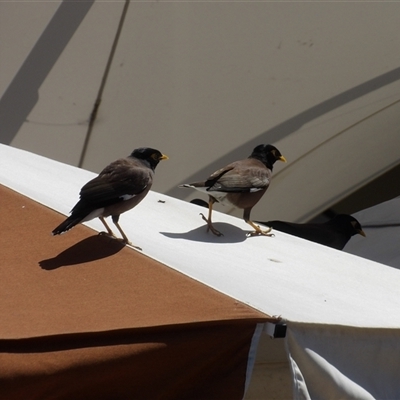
278, 156
159, 156
162, 157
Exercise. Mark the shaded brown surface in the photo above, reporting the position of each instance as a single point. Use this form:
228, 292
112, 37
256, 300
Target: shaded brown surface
80, 314
184, 362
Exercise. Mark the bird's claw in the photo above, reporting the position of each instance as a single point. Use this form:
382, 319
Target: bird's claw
127, 242
132, 245
121, 240
111, 235
210, 227
214, 231
260, 232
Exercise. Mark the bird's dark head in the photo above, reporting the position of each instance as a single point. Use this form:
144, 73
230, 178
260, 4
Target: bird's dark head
150, 156
267, 154
347, 224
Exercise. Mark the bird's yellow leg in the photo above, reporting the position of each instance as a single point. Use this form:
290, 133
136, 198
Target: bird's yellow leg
124, 237
112, 234
109, 231
208, 220
258, 230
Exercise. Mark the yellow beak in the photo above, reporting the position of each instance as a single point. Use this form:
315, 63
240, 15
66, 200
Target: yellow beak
362, 233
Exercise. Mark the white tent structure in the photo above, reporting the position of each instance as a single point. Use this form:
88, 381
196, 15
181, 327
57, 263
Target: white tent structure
86, 82
341, 311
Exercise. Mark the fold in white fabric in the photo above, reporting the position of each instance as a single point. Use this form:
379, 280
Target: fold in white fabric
343, 362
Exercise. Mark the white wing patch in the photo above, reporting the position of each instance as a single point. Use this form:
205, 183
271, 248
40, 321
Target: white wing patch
127, 196
252, 190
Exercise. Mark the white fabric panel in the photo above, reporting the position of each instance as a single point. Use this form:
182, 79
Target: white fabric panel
342, 362
252, 354
281, 275
300, 391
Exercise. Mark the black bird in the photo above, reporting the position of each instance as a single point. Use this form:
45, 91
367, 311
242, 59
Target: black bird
240, 184
334, 233
119, 187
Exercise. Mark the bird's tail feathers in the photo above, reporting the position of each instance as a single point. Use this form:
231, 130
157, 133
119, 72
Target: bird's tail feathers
65, 226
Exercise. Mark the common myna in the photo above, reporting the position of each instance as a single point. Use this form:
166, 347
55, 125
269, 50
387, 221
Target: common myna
334, 233
240, 184
119, 187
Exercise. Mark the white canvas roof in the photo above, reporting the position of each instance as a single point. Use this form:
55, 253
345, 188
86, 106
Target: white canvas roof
333, 302
283, 275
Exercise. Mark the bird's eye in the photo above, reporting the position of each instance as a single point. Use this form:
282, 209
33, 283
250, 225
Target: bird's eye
154, 156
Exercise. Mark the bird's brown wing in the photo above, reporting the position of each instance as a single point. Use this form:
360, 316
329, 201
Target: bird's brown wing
117, 182
241, 176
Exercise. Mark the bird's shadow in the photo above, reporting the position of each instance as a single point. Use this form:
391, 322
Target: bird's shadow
231, 234
90, 249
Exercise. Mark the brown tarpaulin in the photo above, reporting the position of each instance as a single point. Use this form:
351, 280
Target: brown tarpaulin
83, 317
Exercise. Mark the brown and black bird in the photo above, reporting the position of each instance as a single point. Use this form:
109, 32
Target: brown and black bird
334, 233
240, 184
121, 186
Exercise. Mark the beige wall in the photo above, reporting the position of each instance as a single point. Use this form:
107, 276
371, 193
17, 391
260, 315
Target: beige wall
205, 82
